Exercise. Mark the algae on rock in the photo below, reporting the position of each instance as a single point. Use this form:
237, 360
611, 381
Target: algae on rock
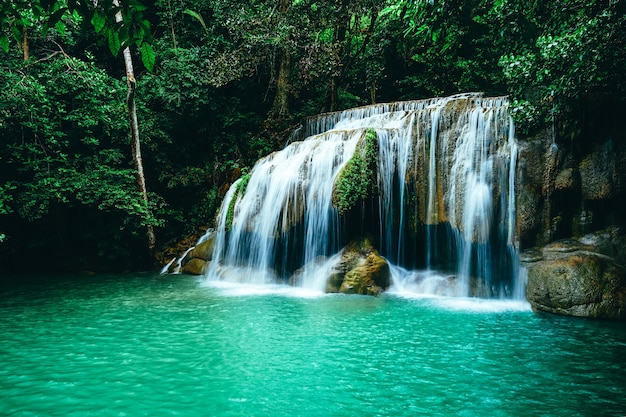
239, 191
360, 270
355, 182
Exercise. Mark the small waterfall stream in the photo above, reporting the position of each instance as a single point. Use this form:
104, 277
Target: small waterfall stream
443, 203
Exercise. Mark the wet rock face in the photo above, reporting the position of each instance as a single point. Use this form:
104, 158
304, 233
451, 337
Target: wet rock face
530, 190
195, 266
600, 172
197, 260
360, 270
583, 277
562, 191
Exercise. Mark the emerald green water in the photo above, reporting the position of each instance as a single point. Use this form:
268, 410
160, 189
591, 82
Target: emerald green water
143, 345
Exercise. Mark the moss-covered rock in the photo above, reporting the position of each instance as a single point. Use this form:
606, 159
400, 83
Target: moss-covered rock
239, 191
355, 182
360, 270
370, 277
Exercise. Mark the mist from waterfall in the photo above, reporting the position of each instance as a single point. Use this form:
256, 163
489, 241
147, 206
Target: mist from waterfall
443, 207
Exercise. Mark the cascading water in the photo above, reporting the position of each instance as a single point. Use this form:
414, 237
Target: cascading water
284, 219
443, 199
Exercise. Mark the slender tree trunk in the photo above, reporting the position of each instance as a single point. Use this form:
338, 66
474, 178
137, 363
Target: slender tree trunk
345, 59
169, 14
25, 43
340, 38
134, 131
280, 107
333, 93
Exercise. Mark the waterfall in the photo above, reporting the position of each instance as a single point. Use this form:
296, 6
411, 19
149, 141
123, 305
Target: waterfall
443, 198
284, 218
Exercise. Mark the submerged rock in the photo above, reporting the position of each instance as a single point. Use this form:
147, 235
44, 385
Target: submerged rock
360, 270
581, 278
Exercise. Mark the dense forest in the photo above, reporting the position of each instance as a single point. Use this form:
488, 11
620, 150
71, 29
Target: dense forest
123, 122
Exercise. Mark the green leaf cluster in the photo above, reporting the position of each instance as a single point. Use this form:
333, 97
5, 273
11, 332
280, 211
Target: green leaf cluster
122, 24
552, 58
578, 51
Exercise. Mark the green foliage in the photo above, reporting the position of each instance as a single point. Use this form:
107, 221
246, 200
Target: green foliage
5, 199
64, 128
198, 17
355, 182
59, 123
579, 49
451, 47
550, 57
122, 25
202, 212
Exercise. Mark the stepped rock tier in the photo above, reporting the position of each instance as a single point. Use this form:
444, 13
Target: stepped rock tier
428, 184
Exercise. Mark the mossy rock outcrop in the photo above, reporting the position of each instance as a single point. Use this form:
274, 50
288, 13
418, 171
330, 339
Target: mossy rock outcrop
355, 182
360, 270
583, 277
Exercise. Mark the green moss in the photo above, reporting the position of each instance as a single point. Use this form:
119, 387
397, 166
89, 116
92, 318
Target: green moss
356, 180
239, 191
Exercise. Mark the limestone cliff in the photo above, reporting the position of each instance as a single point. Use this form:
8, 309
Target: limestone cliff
569, 195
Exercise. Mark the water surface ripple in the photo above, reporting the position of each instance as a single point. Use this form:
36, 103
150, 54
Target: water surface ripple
142, 345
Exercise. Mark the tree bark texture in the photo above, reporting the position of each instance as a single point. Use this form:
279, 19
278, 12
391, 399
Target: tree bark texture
134, 133
280, 107
340, 38
25, 43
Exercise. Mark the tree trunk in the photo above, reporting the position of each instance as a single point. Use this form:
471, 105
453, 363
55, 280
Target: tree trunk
333, 94
25, 43
280, 107
134, 133
340, 38
345, 59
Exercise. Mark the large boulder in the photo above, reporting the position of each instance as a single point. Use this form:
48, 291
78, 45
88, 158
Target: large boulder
195, 266
584, 277
360, 270
204, 249
197, 260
